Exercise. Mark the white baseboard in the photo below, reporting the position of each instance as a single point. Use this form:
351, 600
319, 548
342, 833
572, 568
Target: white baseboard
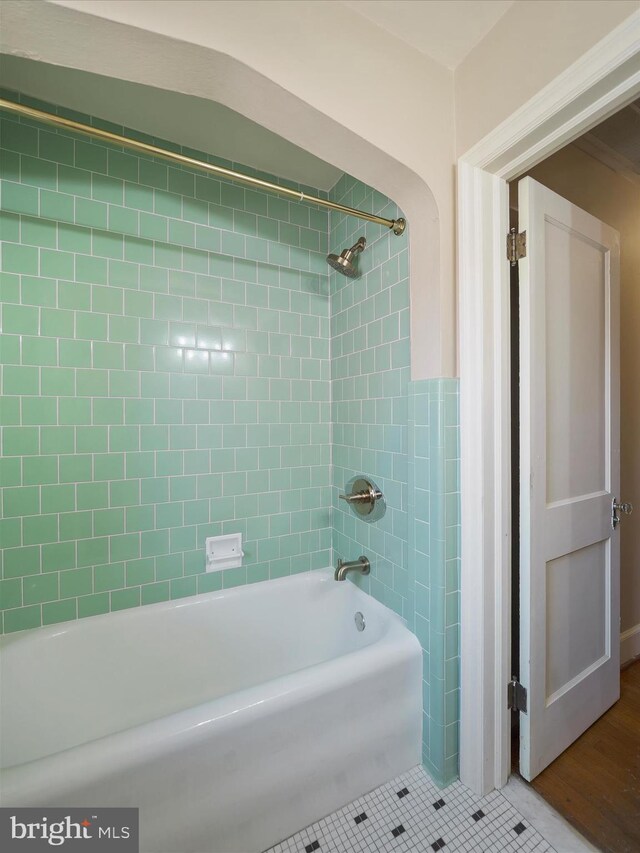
630, 644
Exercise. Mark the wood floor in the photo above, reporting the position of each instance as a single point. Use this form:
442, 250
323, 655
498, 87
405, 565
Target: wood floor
595, 784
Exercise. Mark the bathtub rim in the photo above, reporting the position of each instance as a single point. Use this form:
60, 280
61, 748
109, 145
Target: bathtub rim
315, 576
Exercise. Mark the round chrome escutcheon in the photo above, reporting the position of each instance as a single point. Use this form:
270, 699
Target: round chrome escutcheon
359, 620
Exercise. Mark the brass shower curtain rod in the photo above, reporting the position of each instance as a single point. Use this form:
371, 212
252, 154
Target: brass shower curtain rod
396, 225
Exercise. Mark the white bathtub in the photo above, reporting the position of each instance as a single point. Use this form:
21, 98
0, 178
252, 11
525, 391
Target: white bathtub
231, 719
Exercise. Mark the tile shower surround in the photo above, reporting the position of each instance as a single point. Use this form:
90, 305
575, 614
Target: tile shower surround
165, 377
175, 354
404, 434
370, 373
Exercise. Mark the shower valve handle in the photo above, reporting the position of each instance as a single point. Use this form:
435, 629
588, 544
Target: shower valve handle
365, 497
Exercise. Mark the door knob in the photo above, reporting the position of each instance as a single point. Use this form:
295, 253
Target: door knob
616, 507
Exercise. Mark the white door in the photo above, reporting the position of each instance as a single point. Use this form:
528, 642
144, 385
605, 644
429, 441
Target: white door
569, 473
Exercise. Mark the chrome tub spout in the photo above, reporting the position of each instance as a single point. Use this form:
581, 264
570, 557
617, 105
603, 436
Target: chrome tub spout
361, 565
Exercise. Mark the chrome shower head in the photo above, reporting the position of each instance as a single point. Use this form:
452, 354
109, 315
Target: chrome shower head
343, 262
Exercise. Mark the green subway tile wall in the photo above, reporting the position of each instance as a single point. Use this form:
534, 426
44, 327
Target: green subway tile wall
405, 435
434, 563
370, 372
165, 377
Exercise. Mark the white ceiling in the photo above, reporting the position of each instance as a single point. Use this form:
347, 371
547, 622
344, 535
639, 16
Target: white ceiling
445, 30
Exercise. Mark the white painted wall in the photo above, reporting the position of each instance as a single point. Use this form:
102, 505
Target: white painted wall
530, 45
615, 200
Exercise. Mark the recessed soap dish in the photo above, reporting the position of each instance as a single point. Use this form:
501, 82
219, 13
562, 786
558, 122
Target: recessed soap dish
224, 552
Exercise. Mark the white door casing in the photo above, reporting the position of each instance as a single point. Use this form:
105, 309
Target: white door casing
569, 472
602, 81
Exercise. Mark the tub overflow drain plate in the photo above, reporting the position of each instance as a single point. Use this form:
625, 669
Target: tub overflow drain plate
359, 620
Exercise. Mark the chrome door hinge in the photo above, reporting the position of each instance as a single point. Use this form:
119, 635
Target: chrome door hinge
516, 696
516, 246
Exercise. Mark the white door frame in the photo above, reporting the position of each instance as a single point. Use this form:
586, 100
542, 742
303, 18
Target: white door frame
602, 81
